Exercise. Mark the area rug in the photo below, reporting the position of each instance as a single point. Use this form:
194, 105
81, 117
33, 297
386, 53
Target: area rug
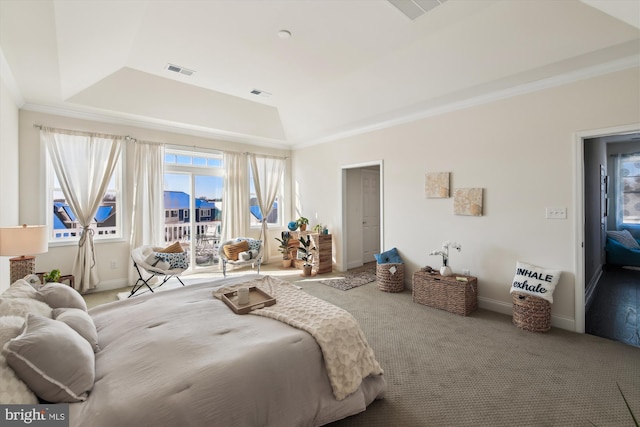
350, 280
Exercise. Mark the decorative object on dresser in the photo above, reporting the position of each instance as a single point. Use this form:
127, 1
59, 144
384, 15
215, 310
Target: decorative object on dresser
532, 294
302, 223
390, 271
458, 294
23, 241
445, 270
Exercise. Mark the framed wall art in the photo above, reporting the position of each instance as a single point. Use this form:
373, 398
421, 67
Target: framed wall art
436, 185
467, 201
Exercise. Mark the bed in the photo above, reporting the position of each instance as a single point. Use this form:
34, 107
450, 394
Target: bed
182, 357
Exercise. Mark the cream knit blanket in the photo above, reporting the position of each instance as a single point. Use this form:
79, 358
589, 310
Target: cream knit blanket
347, 355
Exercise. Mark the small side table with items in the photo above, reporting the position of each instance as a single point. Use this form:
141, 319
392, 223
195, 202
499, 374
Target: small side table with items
456, 294
66, 278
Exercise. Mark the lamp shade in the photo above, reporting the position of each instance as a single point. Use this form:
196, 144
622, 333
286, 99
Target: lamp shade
23, 240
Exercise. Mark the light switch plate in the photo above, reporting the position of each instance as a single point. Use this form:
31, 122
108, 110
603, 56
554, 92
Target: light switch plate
556, 213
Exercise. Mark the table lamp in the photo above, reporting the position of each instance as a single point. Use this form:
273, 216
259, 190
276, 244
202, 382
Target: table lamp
24, 241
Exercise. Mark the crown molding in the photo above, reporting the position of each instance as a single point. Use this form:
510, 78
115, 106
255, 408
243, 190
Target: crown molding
156, 124
625, 63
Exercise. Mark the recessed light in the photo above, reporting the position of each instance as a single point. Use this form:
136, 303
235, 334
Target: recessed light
284, 34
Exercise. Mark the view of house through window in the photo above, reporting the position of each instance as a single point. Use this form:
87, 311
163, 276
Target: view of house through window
255, 216
63, 223
193, 184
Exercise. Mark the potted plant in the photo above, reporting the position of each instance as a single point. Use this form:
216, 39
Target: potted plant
302, 223
306, 256
284, 249
52, 276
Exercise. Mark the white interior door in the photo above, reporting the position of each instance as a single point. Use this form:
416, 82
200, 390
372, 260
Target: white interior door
370, 214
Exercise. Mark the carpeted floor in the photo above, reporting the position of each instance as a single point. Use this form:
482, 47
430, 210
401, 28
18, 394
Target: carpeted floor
480, 370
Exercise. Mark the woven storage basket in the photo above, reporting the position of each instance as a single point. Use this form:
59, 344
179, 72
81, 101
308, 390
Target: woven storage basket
390, 277
531, 313
446, 293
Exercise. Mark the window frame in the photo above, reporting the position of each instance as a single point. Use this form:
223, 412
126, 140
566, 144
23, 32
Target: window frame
279, 199
120, 203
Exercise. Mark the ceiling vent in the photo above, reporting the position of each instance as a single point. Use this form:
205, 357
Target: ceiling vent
413, 9
179, 69
261, 93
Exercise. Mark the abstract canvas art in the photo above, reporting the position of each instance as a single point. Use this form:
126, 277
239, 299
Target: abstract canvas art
467, 201
436, 185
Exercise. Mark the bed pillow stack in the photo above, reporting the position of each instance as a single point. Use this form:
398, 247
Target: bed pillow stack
52, 352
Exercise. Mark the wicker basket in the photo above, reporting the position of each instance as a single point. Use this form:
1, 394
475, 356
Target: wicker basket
390, 277
531, 313
446, 293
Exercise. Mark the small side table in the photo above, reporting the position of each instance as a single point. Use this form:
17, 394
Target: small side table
67, 278
446, 293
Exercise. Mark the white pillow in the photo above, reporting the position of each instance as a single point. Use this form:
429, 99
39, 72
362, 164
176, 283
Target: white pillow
20, 289
53, 360
13, 391
23, 306
57, 295
533, 280
79, 321
625, 238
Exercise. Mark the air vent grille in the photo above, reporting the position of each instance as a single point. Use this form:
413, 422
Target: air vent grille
261, 93
413, 9
179, 69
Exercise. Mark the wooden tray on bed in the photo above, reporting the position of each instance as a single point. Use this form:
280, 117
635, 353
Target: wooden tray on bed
257, 299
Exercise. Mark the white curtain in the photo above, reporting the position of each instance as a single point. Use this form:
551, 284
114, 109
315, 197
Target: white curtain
83, 164
267, 177
235, 196
147, 220
619, 193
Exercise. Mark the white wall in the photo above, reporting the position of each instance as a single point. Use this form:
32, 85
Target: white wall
32, 189
8, 171
520, 150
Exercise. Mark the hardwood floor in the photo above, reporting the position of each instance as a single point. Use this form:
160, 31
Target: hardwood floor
615, 311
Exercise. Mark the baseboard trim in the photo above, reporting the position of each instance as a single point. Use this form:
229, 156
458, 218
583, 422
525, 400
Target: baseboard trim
355, 264
108, 285
561, 322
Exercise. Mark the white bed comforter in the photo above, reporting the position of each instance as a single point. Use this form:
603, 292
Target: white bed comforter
182, 358
347, 356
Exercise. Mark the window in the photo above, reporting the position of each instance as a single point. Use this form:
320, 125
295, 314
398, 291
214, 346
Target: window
628, 196
193, 182
275, 217
62, 222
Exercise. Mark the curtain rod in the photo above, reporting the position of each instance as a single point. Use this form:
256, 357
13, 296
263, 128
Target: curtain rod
130, 138
126, 137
